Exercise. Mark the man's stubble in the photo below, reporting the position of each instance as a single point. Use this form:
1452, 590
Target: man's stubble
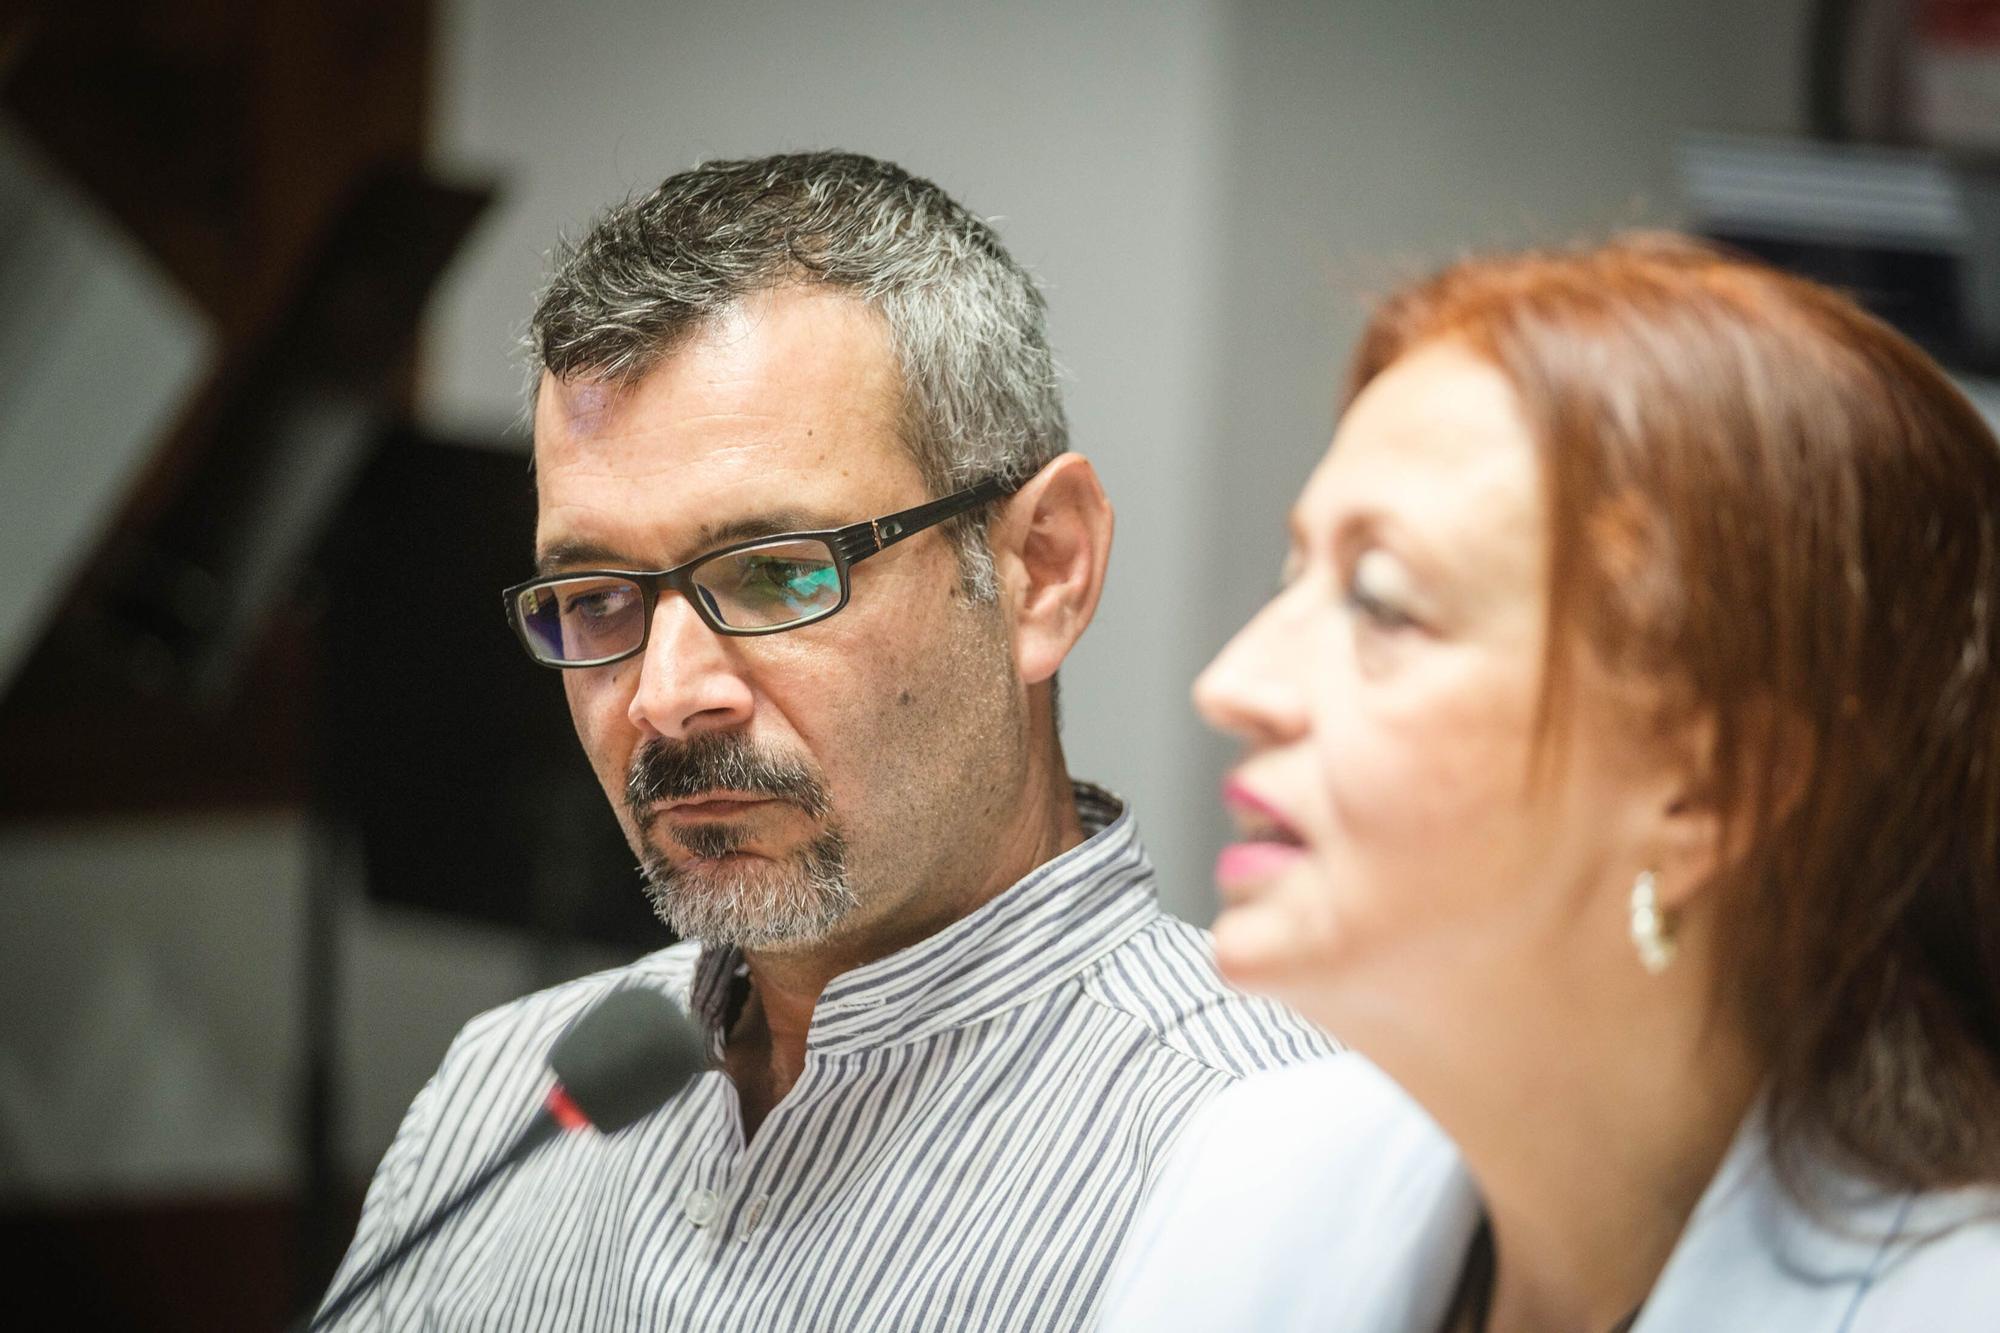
951, 756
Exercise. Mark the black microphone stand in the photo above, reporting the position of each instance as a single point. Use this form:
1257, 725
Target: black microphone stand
538, 1131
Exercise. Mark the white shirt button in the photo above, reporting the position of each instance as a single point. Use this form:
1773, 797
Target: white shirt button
700, 1205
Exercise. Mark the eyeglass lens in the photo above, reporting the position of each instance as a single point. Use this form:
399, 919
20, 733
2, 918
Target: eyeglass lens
594, 617
770, 585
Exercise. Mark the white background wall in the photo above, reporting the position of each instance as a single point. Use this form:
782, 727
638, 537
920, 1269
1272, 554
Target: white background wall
1367, 141
1207, 188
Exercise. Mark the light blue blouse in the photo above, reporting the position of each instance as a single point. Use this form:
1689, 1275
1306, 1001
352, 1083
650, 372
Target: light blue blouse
1322, 1198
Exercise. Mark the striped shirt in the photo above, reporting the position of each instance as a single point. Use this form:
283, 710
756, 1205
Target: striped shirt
975, 1127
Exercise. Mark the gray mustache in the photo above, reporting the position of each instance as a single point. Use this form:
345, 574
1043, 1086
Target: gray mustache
719, 761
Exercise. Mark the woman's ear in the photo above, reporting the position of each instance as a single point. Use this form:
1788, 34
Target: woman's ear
1704, 828
1051, 544
1690, 848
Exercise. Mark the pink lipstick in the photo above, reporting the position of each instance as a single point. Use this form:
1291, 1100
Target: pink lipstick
1270, 847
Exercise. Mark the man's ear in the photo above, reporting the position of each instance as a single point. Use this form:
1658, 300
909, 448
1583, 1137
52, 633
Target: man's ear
1051, 544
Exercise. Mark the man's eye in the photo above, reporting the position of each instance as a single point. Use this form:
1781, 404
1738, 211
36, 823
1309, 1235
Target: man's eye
777, 572
796, 580
597, 603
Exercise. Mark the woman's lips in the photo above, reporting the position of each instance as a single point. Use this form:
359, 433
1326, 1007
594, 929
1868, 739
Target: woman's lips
1271, 846
1254, 814
1244, 865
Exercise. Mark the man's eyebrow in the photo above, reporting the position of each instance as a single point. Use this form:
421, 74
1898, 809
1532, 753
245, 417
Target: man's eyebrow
573, 554
578, 553
768, 524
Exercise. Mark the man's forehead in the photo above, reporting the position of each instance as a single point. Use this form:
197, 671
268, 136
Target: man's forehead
654, 473
602, 436
583, 403
808, 361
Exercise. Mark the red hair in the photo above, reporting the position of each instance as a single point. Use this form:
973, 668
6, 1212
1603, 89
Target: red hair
1781, 515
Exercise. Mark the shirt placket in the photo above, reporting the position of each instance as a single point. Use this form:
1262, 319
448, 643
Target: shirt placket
745, 1206
702, 1194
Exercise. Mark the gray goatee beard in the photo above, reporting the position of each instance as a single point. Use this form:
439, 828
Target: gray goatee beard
752, 902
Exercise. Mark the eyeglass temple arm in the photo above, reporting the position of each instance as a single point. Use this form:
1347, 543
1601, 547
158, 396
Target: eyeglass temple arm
865, 539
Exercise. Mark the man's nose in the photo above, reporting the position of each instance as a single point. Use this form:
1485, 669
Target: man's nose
689, 679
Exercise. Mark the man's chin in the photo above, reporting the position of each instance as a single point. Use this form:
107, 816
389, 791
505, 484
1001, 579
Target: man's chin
736, 860
780, 929
688, 842
749, 897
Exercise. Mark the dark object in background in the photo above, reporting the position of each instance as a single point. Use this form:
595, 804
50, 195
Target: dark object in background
299, 423
1912, 234
164, 648
449, 753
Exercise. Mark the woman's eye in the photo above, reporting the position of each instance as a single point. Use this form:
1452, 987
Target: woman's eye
1377, 590
1382, 614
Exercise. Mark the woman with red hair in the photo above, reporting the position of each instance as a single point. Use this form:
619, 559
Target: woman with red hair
1621, 781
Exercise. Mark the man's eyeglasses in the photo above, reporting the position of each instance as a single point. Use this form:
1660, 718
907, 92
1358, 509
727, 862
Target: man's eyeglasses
764, 585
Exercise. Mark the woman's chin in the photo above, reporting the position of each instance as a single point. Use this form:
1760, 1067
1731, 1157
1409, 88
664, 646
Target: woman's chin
1257, 949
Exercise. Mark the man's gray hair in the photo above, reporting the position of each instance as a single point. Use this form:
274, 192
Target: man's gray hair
980, 397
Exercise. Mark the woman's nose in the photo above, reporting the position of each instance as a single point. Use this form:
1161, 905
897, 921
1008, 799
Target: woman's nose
1252, 688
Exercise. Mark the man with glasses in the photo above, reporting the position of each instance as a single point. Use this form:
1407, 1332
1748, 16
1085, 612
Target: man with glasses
811, 550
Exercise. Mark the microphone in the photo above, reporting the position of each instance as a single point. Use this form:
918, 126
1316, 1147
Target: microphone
616, 1065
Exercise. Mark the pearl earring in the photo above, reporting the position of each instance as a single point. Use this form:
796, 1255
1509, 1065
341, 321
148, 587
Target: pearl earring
1652, 931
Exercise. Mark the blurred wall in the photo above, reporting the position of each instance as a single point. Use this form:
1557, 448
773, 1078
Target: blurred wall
1368, 141
1207, 188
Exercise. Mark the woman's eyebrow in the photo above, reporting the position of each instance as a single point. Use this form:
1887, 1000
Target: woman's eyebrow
1373, 526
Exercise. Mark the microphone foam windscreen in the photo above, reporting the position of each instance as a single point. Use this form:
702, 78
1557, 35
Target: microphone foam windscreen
626, 1056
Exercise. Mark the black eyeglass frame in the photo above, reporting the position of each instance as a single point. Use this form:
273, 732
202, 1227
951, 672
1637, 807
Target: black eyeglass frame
850, 546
